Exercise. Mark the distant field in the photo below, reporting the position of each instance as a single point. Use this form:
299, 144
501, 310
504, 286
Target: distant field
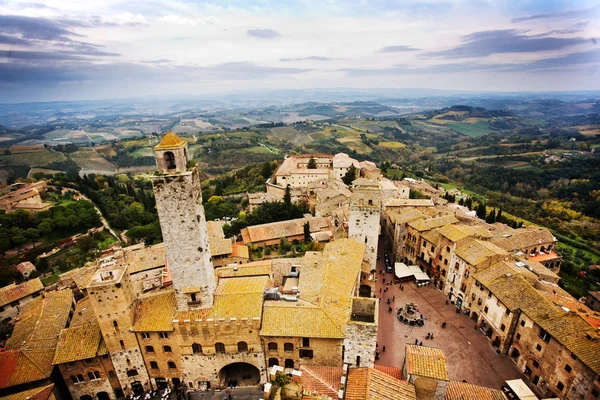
588, 129
473, 130
392, 145
143, 152
39, 158
90, 162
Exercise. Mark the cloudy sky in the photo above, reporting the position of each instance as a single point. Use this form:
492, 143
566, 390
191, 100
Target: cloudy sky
82, 49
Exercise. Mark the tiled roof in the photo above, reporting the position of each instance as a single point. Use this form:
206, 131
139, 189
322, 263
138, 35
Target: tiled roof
431, 236
393, 202
215, 229
154, 312
457, 232
432, 223
394, 372
81, 276
78, 343
23, 366
321, 380
219, 247
42, 321
465, 391
11, 293
277, 230
255, 268
39, 393
524, 238
240, 251
25, 266
328, 280
236, 297
538, 268
298, 319
577, 335
170, 141
84, 313
141, 259
371, 384
476, 251
404, 216
426, 362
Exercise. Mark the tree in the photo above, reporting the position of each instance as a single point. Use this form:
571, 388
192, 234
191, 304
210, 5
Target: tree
307, 238
284, 246
350, 175
287, 197
312, 163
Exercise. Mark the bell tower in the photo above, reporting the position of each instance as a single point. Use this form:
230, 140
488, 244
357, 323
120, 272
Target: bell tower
181, 215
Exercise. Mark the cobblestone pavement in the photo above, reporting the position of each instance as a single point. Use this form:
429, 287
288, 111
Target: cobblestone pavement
469, 353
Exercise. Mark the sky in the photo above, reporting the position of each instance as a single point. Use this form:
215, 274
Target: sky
104, 49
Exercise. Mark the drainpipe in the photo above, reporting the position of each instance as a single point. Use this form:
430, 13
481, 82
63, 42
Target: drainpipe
346, 380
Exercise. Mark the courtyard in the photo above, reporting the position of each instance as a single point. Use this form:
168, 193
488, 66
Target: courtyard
469, 353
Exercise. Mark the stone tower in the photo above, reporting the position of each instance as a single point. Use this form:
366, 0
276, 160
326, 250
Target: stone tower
181, 215
111, 295
364, 218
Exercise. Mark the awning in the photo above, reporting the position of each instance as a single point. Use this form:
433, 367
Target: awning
403, 271
521, 389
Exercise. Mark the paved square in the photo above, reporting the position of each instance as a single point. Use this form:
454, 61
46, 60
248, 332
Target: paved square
469, 354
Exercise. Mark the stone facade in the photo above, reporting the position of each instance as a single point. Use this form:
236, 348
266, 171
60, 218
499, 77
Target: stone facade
111, 295
365, 216
360, 340
91, 377
183, 225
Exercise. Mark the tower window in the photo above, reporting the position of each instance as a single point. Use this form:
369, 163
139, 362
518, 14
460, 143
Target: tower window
153, 365
242, 347
196, 348
272, 346
170, 160
219, 347
167, 349
288, 347
171, 364
149, 349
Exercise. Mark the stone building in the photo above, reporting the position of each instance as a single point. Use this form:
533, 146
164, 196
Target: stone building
181, 215
20, 196
535, 243
13, 297
365, 216
150, 331
25, 269
426, 368
271, 234
593, 301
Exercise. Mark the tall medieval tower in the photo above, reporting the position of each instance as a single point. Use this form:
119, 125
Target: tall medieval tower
364, 218
179, 203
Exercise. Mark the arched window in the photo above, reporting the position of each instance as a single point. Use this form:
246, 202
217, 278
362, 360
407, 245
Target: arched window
171, 364
153, 365
167, 349
272, 346
273, 361
288, 347
96, 375
170, 160
242, 347
219, 347
149, 349
196, 348
289, 363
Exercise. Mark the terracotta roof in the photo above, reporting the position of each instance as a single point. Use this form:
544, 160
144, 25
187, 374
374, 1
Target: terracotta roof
78, 343
215, 229
371, 384
321, 380
236, 297
25, 266
457, 232
84, 313
426, 362
328, 280
432, 223
466, 391
404, 216
394, 372
298, 319
219, 247
41, 322
23, 366
524, 238
80, 276
154, 312
409, 203
240, 251
476, 251
277, 230
170, 141
39, 393
255, 268
141, 259
367, 183
13, 292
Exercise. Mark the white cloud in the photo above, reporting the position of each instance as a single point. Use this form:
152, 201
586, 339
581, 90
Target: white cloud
177, 20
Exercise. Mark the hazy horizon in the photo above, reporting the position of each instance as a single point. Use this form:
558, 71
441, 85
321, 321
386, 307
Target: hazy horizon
57, 50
